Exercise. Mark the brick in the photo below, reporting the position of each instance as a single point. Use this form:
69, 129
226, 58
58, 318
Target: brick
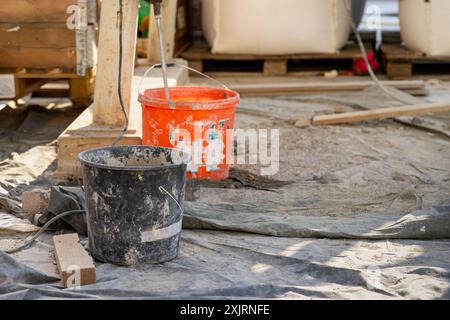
75, 265
35, 201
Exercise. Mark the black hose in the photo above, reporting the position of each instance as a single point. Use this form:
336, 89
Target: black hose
119, 85
42, 229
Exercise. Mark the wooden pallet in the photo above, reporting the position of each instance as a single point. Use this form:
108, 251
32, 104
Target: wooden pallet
28, 80
400, 62
40, 34
201, 59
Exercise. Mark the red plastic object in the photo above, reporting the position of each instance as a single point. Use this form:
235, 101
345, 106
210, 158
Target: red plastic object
360, 68
203, 113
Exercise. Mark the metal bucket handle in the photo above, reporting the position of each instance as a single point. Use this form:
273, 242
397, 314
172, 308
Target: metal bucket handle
179, 65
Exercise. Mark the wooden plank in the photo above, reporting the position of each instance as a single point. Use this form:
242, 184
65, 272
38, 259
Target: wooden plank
275, 67
273, 64
75, 265
399, 60
38, 57
107, 108
319, 86
37, 33
33, 35
53, 73
401, 53
18, 11
383, 113
70, 145
399, 69
203, 53
85, 134
25, 86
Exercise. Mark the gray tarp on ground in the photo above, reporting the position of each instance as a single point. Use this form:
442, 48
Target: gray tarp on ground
433, 223
218, 264
364, 183
234, 265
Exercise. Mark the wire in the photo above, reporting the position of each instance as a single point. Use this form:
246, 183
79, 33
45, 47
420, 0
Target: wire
42, 229
366, 60
119, 85
161, 189
201, 73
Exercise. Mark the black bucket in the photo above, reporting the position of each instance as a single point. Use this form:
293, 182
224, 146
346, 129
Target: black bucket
134, 199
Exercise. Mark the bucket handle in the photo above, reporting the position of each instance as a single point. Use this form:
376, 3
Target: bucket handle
163, 190
183, 66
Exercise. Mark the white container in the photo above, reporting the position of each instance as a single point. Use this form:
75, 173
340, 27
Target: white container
425, 26
276, 27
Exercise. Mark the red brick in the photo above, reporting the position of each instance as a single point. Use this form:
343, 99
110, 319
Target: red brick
35, 201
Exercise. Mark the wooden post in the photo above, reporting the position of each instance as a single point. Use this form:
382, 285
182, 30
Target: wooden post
102, 122
169, 17
81, 89
107, 109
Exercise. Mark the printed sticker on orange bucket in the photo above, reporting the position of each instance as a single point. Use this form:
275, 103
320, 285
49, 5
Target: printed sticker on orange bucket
198, 120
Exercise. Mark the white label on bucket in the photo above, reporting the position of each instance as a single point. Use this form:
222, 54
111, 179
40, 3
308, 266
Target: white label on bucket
161, 234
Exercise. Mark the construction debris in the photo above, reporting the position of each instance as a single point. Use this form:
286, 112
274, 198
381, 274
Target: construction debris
35, 201
75, 265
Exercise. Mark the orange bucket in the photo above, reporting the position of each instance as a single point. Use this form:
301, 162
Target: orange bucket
196, 121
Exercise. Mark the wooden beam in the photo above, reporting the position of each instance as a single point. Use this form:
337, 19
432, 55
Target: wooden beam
55, 73
36, 35
203, 52
75, 265
17, 11
319, 86
107, 109
275, 67
382, 113
38, 57
399, 69
25, 86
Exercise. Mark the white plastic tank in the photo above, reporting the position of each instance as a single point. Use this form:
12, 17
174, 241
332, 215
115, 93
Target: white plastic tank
276, 27
425, 26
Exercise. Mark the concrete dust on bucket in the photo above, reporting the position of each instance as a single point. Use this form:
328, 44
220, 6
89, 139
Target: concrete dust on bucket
134, 199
